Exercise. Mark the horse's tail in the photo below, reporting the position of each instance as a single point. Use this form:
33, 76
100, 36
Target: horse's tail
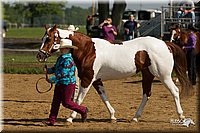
180, 68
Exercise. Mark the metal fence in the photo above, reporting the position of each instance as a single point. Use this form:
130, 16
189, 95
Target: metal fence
168, 19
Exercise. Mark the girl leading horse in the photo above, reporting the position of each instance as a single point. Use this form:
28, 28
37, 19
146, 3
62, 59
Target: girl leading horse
97, 60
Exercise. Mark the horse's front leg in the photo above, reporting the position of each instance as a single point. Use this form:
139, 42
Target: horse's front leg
98, 85
79, 100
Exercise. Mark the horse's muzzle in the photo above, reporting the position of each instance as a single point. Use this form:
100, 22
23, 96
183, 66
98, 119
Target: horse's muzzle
41, 57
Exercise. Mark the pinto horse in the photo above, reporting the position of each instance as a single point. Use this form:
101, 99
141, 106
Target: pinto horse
98, 60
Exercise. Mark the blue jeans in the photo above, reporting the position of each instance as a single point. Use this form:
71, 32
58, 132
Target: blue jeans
129, 36
181, 14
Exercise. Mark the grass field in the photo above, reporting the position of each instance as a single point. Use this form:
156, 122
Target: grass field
35, 32
24, 64
25, 33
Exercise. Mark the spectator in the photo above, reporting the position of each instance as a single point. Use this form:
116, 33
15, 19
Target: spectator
65, 81
89, 25
3, 32
191, 55
130, 28
109, 30
186, 10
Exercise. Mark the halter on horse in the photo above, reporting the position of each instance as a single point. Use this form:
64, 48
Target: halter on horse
97, 60
47, 48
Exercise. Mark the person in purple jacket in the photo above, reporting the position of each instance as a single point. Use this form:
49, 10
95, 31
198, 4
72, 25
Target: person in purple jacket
109, 30
191, 55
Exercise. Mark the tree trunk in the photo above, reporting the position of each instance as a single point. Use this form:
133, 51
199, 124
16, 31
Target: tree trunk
103, 7
117, 12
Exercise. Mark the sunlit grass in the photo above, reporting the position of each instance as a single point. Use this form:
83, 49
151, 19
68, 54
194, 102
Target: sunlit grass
34, 33
21, 64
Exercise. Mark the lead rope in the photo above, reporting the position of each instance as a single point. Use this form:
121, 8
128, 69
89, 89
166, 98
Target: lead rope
47, 79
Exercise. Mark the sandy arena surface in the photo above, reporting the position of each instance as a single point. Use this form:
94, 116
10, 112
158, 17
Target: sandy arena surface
24, 108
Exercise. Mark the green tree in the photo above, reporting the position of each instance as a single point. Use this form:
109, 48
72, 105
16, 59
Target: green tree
37, 10
34, 13
9, 12
76, 15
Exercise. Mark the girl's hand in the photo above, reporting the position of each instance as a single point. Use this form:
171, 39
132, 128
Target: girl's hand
105, 21
45, 68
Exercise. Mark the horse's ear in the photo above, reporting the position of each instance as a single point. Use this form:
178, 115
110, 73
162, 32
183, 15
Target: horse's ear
46, 26
55, 27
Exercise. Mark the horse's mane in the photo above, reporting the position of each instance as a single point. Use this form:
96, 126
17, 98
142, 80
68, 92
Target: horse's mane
81, 35
82, 41
185, 31
85, 54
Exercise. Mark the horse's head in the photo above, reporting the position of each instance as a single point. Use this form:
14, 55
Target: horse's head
184, 34
175, 34
50, 43
180, 36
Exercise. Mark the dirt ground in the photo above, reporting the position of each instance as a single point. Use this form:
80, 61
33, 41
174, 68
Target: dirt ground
24, 108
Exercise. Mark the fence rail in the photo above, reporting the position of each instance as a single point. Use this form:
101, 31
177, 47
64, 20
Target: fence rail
23, 25
168, 18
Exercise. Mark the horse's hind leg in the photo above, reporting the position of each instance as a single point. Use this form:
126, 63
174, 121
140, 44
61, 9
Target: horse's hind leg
147, 79
98, 85
167, 81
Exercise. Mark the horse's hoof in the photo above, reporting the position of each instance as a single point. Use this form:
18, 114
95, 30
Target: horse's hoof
113, 121
182, 117
134, 119
69, 120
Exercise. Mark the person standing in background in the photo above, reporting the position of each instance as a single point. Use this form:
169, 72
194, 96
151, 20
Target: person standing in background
186, 10
89, 25
130, 28
109, 30
189, 48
